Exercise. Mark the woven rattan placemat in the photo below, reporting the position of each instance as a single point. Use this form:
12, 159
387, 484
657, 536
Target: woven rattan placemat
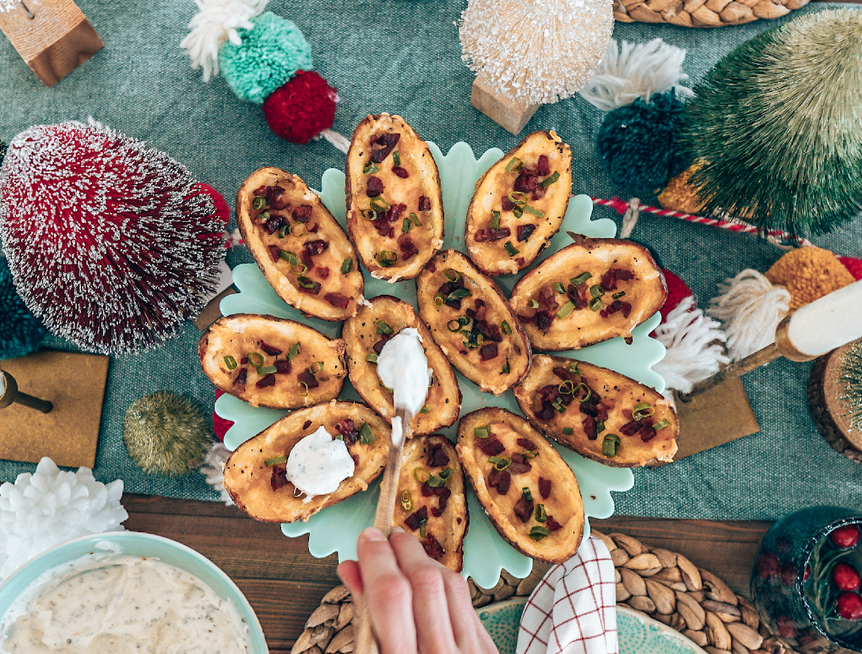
702, 13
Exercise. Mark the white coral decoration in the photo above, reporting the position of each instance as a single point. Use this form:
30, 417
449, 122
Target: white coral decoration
694, 346
216, 24
535, 51
636, 71
213, 469
51, 506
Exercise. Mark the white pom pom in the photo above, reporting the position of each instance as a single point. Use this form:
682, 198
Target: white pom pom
50, 506
213, 469
693, 342
218, 22
750, 308
636, 71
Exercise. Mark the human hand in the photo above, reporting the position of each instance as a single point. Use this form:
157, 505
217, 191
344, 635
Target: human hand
416, 605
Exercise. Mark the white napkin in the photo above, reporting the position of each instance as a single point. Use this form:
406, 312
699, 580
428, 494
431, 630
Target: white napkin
573, 609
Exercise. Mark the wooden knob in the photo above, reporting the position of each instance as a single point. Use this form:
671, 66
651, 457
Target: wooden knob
9, 394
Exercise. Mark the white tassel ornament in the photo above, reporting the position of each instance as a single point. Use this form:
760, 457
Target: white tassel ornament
636, 71
213, 470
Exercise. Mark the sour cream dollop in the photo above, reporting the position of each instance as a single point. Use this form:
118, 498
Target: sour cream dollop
318, 463
402, 366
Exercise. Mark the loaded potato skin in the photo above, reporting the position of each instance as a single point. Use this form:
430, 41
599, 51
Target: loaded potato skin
366, 333
298, 245
272, 362
431, 502
528, 491
600, 414
394, 198
469, 318
588, 292
519, 204
254, 475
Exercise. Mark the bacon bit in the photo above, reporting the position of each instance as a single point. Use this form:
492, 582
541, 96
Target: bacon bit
544, 488
308, 379
432, 546
647, 432
543, 165
500, 479
241, 378
314, 290
275, 197
526, 443
519, 465
437, 458
401, 172
306, 259
391, 232
407, 246
375, 187
269, 349
279, 477
539, 193
427, 491
268, 380
508, 205
312, 228
492, 332
491, 446
430, 267
283, 366
524, 232
414, 519
424, 205
443, 500
526, 181
612, 276
488, 352
543, 321
484, 235
547, 299
524, 508
337, 300
552, 524
348, 431
611, 309
626, 309
260, 190
302, 214
388, 141
631, 428
244, 361
590, 428
316, 247
274, 252
306, 424
322, 272
378, 346
272, 225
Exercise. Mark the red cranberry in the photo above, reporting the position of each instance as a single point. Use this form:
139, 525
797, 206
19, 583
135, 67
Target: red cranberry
807, 573
767, 565
845, 577
786, 628
849, 606
845, 537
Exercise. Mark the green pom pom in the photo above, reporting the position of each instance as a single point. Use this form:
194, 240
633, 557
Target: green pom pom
166, 434
639, 144
270, 54
20, 331
3, 148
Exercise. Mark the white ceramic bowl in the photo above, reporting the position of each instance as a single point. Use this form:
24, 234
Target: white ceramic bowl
132, 543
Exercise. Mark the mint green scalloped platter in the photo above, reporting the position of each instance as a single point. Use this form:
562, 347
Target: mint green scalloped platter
336, 528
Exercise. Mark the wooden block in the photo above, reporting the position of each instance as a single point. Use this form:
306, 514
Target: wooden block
54, 37
507, 113
831, 414
720, 415
75, 384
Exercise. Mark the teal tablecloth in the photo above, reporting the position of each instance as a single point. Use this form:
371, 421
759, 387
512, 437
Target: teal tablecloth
403, 56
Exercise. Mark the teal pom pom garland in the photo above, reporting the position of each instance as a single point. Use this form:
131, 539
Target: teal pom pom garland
270, 54
20, 331
639, 144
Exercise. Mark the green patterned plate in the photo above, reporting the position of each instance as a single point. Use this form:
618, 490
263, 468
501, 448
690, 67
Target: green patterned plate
637, 632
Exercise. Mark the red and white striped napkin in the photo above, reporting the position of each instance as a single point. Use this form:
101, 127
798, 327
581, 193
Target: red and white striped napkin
573, 609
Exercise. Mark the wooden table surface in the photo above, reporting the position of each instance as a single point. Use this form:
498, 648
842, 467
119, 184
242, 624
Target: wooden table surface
284, 583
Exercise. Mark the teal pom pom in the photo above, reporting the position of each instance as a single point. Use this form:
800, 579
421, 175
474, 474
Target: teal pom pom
640, 147
20, 331
270, 54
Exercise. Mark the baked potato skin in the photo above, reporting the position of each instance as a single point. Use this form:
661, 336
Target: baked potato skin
617, 393
409, 187
513, 348
239, 335
486, 248
450, 527
334, 287
563, 502
360, 336
248, 480
603, 259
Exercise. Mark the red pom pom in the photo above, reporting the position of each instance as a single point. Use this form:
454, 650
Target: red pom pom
220, 425
853, 265
221, 206
302, 108
677, 291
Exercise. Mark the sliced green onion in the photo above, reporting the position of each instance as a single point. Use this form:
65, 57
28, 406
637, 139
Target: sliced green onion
568, 431
425, 409
538, 533
299, 269
371, 357
566, 388
267, 370
303, 389
378, 204
580, 279
558, 405
559, 288
661, 424
370, 168
255, 359
495, 220
617, 296
550, 179
422, 526
406, 226
282, 230
451, 274
263, 216
258, 203
458, 294
541, 513
533, 303
406, 500
514, 165
596, 290
346, 265
275, 460
517, 212
506, 368
415, 220
396, 158
290, 257
527, 494
230, 362
519, 201
298, 229
587, 390
566, 309
438, 481
482, 432
610, 445
366, 436
293, 351
642, 410
316, 368
596, 304
305, 282
500, 463
421, 475
463, 320
505, 328
511, 250
384, 328
453, 326
370, 214
533, 211
386, 258
600, 426
439, 299
574, 369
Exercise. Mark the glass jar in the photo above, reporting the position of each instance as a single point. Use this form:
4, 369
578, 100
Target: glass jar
806, 580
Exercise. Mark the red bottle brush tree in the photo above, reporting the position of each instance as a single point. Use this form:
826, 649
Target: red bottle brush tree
112, 243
